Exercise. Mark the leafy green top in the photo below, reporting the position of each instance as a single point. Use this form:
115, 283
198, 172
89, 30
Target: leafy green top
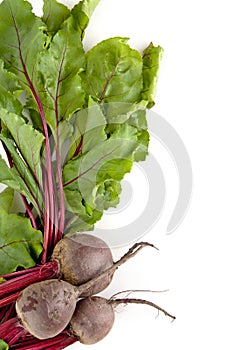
71, 123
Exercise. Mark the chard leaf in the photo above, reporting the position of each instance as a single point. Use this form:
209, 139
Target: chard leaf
21, 38
114, 72
20, 244
6, 199
28, 140
54, 15
82, 13
151, 60
3, 345
61, 90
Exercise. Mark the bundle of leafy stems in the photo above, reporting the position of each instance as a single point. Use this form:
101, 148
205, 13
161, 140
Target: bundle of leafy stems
72, 123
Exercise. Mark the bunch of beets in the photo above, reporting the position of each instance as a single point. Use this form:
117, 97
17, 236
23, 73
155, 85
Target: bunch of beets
57, 312
72, 124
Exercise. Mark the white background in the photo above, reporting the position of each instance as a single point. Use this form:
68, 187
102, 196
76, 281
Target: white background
195, 97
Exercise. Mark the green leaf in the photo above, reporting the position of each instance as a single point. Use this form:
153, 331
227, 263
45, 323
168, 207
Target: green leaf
20, 244
88, 127
108, 160
6, 198
151, 60
21, 38
19, 176
114, 72
82, 13
108, 194
60, 85
138, 120
119, 115
28, 140
8, 176
84, 217
8, 87
3, 345
54, 15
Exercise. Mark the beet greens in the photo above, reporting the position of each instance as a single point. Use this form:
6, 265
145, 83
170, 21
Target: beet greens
72, 122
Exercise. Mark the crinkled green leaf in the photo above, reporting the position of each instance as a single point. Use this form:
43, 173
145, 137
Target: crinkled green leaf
138, 120
21, 38
6, 198
151, 60
20, 244
54, 15
108, 194
82, 13
60, 85
114, 72
3, 345
28, 140
83, 216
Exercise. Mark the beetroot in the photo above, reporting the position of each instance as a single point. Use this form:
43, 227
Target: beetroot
94, 317
82, 257
45, 308
92, 320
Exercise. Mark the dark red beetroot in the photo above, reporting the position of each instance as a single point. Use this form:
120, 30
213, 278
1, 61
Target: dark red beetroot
82, 257
94, 317
45, 308
92, 320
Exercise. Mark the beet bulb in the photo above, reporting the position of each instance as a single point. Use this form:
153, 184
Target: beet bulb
45, 308
81, 257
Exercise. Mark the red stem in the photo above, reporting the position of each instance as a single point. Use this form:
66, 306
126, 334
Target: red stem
29, 212
18, 334
7, 312
56, 224
47, 215
19, 273
9, 299
10, 290
59, 342
10, 329
58, 157
31, 217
